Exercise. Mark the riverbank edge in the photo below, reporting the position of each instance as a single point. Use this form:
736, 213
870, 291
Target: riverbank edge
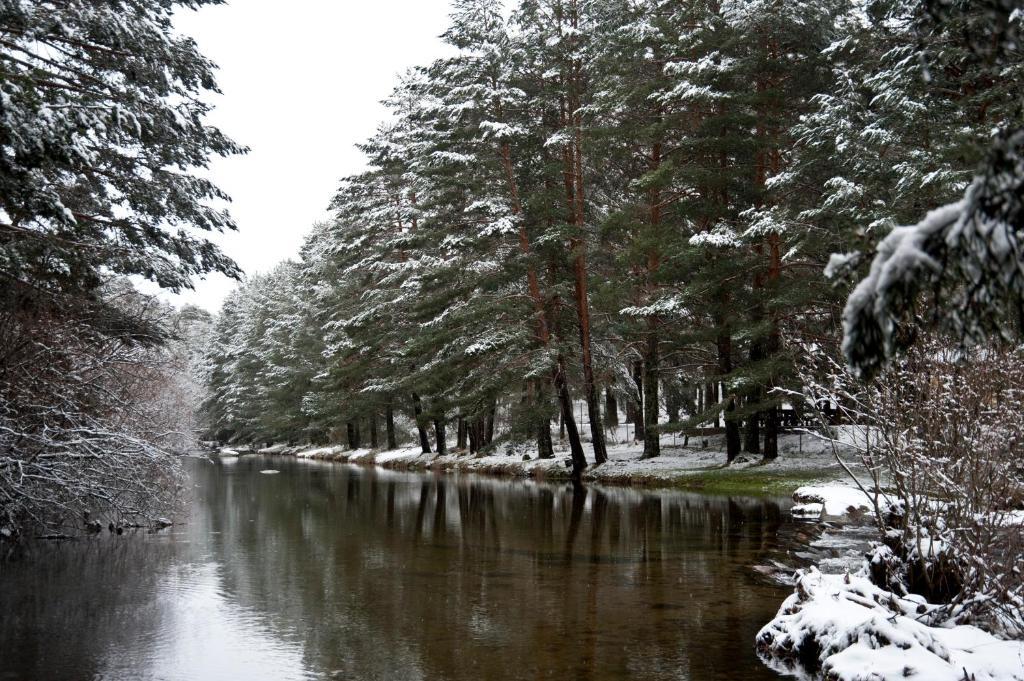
779, 478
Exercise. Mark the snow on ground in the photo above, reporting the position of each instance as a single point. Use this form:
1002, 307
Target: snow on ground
701, 454
846, 628
836, 499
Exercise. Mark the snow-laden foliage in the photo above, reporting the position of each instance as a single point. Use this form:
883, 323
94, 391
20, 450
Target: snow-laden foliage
93, 409
964, 257
967, 256
101, 131
103, 141
939, 436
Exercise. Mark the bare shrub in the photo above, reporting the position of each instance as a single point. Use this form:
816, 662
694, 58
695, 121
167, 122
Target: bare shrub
940, 437
84, 411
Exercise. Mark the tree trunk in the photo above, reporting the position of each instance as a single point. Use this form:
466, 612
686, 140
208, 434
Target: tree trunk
474, 437
460, 436
579, 459
589, 386
417, 409
373, 430
639, 422
572, 173
389, 417
611, 409
711, 399
489, 425
771, 433
440, 436
545, 450
673, 402
732, 427
350, 432
652, 436
752, 436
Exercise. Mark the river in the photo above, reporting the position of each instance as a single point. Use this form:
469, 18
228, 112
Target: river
331, 571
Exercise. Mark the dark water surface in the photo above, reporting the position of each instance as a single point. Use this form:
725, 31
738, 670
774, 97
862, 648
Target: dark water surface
335, 572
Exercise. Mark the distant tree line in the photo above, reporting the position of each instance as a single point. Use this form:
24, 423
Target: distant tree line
624, 202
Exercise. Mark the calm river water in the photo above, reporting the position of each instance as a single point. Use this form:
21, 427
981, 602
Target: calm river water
328, 571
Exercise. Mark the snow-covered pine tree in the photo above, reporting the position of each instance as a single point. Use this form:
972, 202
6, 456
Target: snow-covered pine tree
952, 77
558, 37
102, 128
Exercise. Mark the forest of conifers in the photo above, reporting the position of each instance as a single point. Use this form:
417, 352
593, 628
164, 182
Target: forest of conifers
625, 202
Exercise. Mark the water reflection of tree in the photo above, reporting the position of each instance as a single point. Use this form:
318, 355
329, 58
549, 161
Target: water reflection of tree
63, 606
409, 576
385, 575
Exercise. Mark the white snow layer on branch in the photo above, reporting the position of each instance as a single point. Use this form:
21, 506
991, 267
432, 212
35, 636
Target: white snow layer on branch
720, 236
899, 265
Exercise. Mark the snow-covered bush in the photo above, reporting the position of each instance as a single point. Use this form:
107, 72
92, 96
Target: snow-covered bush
941, 438
90, 406
951, 438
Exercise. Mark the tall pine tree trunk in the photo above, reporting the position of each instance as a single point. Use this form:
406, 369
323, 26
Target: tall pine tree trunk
752, 436
611, 409
460, 434
652, 436
732, 427
579, 459
572, 119
710, 400
771, 433
389, 418
774, 344
639, 422
489, 425
440, 436
417, 409
545, 450
373, 430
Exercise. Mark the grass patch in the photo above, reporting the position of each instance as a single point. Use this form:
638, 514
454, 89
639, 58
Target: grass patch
753, 481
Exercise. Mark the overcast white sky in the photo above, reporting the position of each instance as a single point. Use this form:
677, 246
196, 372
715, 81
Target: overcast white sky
302, 82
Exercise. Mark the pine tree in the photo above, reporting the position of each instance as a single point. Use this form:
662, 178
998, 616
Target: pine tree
102, 128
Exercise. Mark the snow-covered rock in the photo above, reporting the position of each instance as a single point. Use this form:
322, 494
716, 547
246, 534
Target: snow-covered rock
848, 629
830, 500
319, 452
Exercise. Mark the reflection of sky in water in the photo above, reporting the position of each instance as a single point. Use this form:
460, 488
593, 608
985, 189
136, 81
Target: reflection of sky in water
205, 635
334, 572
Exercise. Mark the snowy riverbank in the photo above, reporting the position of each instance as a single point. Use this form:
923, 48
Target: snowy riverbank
839, 625
700, 465
842, 627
